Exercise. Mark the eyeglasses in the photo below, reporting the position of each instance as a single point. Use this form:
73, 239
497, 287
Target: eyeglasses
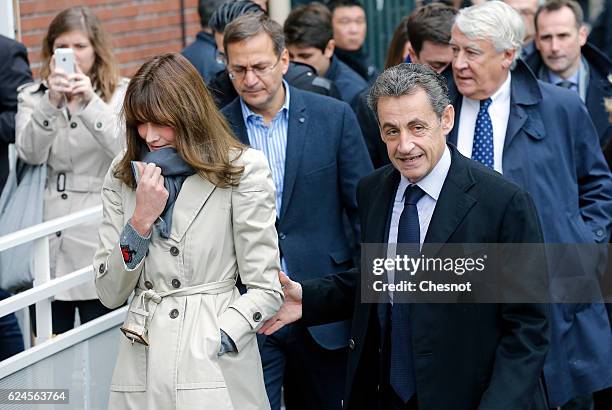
238, 73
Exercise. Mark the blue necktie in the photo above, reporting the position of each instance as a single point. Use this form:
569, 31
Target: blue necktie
402, 377
482, 149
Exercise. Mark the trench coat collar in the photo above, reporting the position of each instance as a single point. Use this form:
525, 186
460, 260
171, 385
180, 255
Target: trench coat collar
194, 194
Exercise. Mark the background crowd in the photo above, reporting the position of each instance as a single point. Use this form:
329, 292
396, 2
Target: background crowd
532, 108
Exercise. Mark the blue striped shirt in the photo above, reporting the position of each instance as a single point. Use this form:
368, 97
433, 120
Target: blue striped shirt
271, 140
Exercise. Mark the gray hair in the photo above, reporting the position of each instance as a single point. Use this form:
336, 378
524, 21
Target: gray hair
494, 21
407, 79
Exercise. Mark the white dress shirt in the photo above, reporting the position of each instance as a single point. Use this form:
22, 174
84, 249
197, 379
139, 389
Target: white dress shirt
499, 111
431, 184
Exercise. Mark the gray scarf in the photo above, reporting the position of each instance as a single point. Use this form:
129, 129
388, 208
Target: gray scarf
174, 170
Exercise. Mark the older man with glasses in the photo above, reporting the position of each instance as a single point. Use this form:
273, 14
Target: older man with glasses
317, 155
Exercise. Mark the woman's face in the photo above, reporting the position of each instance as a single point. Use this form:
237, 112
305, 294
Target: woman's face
156, 136
78, 41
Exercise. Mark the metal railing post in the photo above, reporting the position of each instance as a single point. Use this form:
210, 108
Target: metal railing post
42, 274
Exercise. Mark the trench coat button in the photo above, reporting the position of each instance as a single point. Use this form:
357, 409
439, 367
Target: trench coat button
176, 283
281, 236
174, 251
102, 268
174, 314
98, 125
46, 123
351, 344
64, 196
58, 233
257, 316
148, 284
73, 125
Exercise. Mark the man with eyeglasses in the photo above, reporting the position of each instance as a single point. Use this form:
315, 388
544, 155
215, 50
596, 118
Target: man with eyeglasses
317, 155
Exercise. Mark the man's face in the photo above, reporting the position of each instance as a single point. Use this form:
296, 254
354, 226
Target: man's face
478, 69
414, 135
256, 54
437, 56
312, 56
527, 9
349, 25
559, 41
219, 43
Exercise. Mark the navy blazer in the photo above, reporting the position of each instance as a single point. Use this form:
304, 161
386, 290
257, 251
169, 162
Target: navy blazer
552, 151
202, 53
598, 88
326, 157
349, 83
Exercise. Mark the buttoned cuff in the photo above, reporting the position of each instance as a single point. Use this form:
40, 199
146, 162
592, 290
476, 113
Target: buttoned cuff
95, 114
133, 246
46, 114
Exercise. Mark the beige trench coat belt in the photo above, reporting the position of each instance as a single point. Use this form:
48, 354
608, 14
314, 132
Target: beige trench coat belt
69, 181
143, 306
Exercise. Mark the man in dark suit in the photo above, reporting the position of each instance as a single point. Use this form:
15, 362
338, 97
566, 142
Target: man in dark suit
564, 58
14, 72
455, 356
316, 155
308, 35
202, 53
540, 137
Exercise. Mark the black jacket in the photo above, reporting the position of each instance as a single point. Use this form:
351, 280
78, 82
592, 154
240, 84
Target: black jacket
14, 71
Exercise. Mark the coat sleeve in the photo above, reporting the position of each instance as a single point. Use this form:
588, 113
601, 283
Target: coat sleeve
102, 120
593, 175
256, 246
36, 125
114, 280
14, 71
520, 354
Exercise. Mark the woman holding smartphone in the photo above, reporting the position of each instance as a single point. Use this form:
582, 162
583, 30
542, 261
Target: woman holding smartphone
187, 209
68, 120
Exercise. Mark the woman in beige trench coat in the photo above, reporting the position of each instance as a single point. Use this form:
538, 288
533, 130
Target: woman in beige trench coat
183, 262
69, 122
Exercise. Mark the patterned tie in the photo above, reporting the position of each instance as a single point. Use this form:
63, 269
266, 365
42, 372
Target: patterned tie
482, 149
402, 377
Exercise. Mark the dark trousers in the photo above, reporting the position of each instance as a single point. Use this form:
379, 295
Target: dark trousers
312, 377
64, 313
11, 341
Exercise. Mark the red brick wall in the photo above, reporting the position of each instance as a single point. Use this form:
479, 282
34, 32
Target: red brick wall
138, 28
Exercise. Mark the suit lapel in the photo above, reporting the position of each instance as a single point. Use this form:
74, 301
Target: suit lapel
234, 117
296, 136
194, 194
453, 203
379, 215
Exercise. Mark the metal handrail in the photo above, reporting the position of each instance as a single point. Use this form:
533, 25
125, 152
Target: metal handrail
49, 227
44, 287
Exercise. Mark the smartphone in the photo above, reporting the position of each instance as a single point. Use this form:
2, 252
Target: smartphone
64, 59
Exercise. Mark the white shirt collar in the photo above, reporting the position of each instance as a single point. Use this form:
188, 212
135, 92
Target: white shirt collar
432, 183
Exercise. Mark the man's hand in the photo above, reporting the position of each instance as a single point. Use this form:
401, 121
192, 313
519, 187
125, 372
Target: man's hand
291, 309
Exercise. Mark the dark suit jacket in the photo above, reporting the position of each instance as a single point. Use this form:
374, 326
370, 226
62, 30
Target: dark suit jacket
325, 159
552, 151
14, 71
202, 53
599, 87
349, 83
466, 356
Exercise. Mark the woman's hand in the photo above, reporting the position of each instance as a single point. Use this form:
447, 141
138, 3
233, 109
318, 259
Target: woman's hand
151, 198
81, 86
58, 83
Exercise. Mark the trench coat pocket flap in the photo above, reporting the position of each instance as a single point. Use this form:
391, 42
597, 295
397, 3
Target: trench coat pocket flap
130, 374
212, 384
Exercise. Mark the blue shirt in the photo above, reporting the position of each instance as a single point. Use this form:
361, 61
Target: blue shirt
272, 141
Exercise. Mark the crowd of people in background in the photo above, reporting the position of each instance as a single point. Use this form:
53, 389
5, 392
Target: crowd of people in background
287, 120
